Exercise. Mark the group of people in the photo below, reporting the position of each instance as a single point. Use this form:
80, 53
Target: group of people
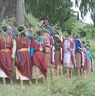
39, 54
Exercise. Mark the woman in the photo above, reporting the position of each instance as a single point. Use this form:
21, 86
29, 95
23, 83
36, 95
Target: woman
5, 56
68, 57
57, 56
39, 65
48, 53
79, 55
23, 60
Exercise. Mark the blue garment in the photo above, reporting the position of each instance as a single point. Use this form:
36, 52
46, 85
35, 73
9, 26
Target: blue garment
29, 35
39, 40
31, 51
49, 29
77, 44
89, 54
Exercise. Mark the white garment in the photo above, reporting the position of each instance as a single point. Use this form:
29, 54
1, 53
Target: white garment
67, 58
53, 54
13, 49
67, 55
20, 76
2, 74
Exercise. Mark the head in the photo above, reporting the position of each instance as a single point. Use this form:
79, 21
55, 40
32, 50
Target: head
88, 47
45, 22
38, 33
30, 28
68, 33
21, 31
83, 42
4, 28
43, 32
10, 22
35, 36
77, 36
73, 35
88, 42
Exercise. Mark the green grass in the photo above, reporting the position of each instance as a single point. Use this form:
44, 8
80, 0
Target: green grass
83, 86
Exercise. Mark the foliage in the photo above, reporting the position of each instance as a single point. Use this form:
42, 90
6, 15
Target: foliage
86, 6
57, 11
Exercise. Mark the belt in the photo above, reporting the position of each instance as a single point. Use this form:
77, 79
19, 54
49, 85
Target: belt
5, 50
22, 49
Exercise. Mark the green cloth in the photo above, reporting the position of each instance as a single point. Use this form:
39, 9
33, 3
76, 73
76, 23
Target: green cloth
57, 44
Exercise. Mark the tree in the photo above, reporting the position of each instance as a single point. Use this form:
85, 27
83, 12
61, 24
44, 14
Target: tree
3, 7
56, 11
20, 12
87, 6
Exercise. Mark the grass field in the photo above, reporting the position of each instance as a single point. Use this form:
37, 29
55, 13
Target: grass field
83, 86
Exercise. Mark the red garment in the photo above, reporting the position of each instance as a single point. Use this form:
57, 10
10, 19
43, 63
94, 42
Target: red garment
38, 58
5, 56
57, 58
23, 60
86, 61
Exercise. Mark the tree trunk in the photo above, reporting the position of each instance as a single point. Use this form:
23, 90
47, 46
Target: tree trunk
3, 9
20, 12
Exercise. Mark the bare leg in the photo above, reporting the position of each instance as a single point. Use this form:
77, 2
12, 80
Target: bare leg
71, 70
21, 83
4, 81
85, 73
55, 71
11, 82
58, 71
82, 71
36, 81
61, 69
43, 80
68, 74
78, 71
30, 83
52, 71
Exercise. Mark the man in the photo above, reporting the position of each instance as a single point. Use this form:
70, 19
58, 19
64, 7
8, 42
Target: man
68, 59
46, 26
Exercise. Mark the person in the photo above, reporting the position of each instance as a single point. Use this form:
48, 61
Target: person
89, 53
78, 55
85, 59
57, 56
39, 65
29, 32
68, 59
11, 28
48, 43
46, 26
5, 56
23, 60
